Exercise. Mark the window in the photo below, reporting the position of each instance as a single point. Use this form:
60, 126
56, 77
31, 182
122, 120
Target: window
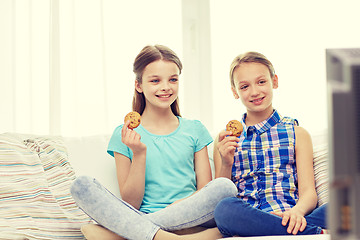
91, 46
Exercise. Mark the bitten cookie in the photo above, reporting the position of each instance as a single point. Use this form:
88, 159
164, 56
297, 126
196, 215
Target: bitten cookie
134, 118
235, 127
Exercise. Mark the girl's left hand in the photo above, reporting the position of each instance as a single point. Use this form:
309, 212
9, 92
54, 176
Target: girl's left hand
296, 220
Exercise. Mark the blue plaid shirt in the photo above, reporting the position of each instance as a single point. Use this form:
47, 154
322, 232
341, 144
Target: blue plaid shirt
264, 168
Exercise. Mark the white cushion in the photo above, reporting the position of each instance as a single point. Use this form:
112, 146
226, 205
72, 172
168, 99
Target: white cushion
88, 156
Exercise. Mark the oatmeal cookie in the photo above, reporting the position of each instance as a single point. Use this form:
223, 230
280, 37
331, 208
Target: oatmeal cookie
235, 127
134, 118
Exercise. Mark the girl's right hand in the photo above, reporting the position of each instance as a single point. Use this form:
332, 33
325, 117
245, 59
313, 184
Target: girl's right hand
295, 220
132, 139
227, 145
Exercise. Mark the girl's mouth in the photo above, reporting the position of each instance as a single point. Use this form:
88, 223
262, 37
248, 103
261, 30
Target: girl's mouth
257, 101
165, 96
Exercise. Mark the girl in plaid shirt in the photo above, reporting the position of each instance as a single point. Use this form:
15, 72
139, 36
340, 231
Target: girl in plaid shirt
271, 162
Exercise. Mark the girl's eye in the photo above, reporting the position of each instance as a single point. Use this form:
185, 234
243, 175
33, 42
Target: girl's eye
173, 80
262, 81
154, 80
243, 87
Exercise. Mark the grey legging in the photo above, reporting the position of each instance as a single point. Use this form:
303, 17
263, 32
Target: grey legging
121, 218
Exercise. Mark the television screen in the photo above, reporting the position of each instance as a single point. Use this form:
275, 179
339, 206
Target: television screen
343, 78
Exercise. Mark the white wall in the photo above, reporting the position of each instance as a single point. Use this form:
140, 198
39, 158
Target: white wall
294, 36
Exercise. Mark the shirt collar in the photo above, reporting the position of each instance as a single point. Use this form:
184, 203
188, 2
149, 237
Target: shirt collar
264, 125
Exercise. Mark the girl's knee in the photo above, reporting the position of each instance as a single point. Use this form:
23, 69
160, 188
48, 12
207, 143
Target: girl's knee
226, 186
81, 185
224, 209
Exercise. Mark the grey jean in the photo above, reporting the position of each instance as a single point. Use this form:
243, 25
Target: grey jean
126, 221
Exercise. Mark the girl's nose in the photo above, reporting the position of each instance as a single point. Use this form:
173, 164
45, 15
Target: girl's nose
165, 86
254, 91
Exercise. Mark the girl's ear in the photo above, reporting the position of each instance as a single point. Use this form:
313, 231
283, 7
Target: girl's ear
138, 86
236, 95
275, 82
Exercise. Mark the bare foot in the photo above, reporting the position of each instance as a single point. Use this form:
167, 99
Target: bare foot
97, 232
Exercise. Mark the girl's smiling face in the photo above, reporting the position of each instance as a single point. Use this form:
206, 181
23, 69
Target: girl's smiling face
160, 84
254, 86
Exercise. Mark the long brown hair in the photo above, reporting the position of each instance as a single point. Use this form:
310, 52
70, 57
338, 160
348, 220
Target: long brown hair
146, 56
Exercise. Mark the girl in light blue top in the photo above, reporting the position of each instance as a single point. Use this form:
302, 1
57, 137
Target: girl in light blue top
162, 166
169, 162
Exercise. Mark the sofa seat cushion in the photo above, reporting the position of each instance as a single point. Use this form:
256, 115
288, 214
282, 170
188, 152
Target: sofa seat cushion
35, 199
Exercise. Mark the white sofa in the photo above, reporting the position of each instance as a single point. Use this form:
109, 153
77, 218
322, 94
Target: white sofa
36, 173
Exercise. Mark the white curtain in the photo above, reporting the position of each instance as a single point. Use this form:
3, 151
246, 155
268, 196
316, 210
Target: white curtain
24, 67
66, 65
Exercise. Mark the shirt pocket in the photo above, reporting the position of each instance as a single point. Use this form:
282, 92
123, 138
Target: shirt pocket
279, 158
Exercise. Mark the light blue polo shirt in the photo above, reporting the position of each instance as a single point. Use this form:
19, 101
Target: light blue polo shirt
170, 174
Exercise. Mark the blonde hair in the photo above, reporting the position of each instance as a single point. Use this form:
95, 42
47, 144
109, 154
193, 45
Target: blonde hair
250, 57
146, 56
